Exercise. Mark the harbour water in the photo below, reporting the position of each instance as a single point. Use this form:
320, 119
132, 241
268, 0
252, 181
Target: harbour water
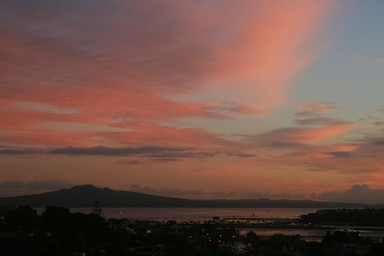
205, 214
198, 214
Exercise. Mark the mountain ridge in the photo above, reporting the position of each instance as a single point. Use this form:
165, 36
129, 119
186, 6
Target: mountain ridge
86, 196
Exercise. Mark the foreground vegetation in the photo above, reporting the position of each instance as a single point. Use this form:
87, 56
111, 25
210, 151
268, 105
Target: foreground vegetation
57, 231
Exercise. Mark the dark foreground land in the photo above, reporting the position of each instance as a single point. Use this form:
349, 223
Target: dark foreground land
57, 231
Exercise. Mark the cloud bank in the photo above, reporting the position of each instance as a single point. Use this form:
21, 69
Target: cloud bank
19, 187
356, 194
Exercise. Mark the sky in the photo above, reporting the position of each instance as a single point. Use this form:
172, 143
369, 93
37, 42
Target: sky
197, 99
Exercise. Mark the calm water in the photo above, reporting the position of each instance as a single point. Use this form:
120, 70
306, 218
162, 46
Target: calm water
287, 232
198, 214
203, 214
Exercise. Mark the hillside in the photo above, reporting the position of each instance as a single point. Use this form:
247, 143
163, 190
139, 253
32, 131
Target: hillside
86, 195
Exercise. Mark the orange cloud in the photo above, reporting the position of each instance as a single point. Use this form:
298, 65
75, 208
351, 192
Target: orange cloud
313, 108
127, 74
265, 44
137, 68
293, 136
259, 50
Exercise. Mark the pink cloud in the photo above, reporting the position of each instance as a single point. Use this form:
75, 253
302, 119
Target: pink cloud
300, 135
312, 108
174, 56
46, 139
136, 70
121, 64
270, 45
184, 137
349, 162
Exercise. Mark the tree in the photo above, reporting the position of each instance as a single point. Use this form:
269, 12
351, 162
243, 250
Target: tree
24, 218
56, 219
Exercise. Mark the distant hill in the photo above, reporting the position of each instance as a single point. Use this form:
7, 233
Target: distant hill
86, 196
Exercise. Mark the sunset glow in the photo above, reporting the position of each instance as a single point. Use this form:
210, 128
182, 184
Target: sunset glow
196, 99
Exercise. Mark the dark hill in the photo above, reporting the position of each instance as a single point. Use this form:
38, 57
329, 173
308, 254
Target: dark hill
86, 196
